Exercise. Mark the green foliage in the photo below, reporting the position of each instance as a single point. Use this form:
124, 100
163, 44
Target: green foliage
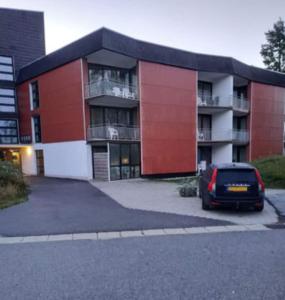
273, 52
13, 188
188, 186
272, 170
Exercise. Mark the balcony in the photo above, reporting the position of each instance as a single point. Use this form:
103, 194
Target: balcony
213, 104
106, 92
113, 132
208, 135
240, 105
235, 136
240, 136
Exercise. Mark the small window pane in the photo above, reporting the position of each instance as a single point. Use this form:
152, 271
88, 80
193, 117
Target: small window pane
7, 92
8, 131
4, 68
8, 123
135, 154
125, 154
114, 154
9, 77
7, 100
126, 174
115, 173
5, 108
6, 60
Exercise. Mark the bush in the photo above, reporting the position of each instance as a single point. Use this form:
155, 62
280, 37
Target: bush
189, 187
272, 170
13, 188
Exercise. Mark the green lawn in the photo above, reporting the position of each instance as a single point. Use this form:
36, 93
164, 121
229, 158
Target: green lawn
272, 170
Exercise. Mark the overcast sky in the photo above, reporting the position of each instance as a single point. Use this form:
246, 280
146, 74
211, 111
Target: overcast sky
223, 27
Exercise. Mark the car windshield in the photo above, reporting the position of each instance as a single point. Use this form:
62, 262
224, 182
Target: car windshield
236, 176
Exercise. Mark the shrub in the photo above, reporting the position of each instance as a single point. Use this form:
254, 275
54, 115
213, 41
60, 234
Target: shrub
272, 170
189, 187
13, 188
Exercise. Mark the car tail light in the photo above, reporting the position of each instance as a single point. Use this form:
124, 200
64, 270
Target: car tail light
212, 183
261, 185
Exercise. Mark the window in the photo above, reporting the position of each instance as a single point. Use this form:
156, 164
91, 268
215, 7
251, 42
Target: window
7, 100
119, 75
204, 90
6, 68
8, 131
37, 129
35, 99
108, 115
124, 161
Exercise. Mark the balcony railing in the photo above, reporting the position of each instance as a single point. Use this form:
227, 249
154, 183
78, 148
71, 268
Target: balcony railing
113, 132
214, 101
106, 87
208, 135
240, 104
240, 136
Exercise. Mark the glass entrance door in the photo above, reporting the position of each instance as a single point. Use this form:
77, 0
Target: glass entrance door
124, 160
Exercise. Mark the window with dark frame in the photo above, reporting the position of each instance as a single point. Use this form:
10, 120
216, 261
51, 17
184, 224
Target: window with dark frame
8, 131
124, 161
35, 95
204, 90
6, 68
7, 100
37, 129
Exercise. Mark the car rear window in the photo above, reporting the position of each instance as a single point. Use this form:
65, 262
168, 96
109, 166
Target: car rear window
236, 176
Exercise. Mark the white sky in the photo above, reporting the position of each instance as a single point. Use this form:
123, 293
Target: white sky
223, 27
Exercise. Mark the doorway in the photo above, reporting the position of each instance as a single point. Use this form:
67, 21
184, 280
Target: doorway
40, 162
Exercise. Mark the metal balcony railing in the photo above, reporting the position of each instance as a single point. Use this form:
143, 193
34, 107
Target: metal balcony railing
208, 135
240, 136
106, 87
113, 132
240, 104
214, 101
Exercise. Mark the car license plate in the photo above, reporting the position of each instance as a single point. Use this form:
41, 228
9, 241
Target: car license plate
237, 189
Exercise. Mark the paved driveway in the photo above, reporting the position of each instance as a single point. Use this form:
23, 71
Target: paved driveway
162, 196
58, 206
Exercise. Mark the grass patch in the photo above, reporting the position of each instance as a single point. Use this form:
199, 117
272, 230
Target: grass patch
13, 188
272, 170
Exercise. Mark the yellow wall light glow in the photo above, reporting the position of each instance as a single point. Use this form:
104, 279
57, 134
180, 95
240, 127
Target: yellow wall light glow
29, 151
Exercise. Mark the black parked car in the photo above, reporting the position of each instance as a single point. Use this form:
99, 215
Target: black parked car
233, 184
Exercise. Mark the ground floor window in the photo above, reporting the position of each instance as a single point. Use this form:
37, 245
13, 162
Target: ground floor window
239, 154
124, 160
205, 154
12, 155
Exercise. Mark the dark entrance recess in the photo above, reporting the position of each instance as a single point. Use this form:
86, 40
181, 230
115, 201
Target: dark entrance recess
40, 162
124, 160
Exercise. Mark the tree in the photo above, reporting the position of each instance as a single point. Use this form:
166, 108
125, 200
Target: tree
273, 52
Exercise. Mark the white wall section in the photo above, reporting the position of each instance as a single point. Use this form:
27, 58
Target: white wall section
222, 153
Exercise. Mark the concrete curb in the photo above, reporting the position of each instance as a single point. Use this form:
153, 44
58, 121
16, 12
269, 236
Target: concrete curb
136, 233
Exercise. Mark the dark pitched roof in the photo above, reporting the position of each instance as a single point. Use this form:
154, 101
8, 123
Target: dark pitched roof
116, 42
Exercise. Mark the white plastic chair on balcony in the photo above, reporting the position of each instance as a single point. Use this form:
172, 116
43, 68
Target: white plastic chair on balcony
201, 136
126, 93
117, 92
113, 133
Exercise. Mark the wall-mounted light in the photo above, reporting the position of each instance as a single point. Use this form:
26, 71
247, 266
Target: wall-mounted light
29, 151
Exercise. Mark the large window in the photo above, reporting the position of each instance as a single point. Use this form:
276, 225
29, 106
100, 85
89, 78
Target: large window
112, 116
8, 131
204, 90
7, 100
35, 97
119, 75
124, 161
37, 129
6, 68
